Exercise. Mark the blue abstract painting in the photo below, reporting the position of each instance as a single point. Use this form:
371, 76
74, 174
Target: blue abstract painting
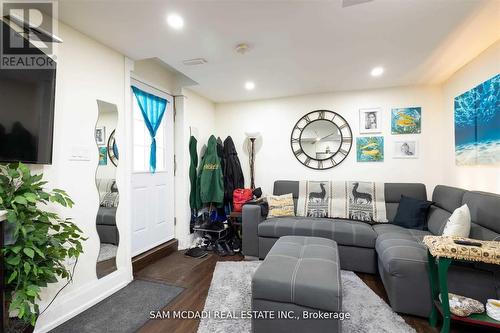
477, 124
406, 120
370, 149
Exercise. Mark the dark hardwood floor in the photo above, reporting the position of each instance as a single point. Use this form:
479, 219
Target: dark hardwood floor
195, 276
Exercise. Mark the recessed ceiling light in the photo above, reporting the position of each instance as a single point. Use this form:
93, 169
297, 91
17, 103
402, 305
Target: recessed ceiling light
377, 71
175, 21
249, 85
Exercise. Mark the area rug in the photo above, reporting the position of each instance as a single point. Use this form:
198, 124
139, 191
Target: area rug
123, 312
230, 290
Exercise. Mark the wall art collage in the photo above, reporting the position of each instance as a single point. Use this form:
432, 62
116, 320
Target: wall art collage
407, 120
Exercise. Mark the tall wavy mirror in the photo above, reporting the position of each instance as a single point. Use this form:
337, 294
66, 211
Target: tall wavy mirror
105, 179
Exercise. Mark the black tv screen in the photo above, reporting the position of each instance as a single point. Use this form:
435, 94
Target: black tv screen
27, 115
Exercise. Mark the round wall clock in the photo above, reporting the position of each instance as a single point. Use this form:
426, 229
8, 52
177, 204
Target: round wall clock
321, 139
113, 149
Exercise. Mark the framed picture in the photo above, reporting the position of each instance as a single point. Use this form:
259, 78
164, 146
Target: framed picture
370, 149
406, 120
406, 149
103, 156
100, 135
370, 121
477, 124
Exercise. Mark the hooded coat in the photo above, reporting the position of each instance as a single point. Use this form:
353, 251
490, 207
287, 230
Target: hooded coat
194, 195
210, 182
233, 175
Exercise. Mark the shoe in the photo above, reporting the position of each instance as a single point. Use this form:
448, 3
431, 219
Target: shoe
228, 249
210, 246
236, 245
220, 250
196, 252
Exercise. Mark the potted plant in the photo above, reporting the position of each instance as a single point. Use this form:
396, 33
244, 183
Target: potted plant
40, 243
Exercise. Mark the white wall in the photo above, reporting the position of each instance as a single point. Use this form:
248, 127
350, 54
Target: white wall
196, 116
482, 68
275, 119
86, 71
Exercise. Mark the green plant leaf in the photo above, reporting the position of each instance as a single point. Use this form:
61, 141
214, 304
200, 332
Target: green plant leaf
32, 291
29, 252
27, 268
14, 261
21, 200
31, 197
40, 253
16, 249
11, 216
12, 277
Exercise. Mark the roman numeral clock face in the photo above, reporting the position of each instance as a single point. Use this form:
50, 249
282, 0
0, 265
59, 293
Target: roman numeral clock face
321, 139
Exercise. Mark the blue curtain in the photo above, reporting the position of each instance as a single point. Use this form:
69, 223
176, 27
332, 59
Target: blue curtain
153, 109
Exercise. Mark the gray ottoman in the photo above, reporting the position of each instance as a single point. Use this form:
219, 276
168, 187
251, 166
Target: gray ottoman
299, 274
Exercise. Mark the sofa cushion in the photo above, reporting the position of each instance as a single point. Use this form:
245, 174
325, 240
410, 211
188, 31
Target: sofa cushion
436, 219
447, 197
484, 209
399, 248
479, 232
344, 232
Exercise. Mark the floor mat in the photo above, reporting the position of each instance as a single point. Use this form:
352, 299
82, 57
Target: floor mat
123, 312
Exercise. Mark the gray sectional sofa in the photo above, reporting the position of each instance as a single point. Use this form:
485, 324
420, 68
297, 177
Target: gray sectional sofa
394, 252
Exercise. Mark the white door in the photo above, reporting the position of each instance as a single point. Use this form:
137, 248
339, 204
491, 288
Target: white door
152, 194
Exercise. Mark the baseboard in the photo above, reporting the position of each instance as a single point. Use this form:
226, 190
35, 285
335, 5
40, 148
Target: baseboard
144, 259
59, 313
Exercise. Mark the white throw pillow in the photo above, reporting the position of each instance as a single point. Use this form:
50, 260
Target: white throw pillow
459, 223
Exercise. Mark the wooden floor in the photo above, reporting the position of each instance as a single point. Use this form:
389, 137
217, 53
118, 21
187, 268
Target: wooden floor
195, 276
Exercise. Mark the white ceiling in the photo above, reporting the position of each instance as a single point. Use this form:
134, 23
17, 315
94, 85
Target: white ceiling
297, 47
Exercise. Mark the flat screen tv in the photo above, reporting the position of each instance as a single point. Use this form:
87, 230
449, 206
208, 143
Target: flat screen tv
27, 115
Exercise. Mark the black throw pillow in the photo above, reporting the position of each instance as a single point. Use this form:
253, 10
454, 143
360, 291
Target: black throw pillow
412, 213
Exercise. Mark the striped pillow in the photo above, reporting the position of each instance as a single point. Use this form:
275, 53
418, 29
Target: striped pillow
280, 205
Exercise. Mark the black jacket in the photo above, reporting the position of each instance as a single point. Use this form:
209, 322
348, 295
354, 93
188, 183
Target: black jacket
233, 175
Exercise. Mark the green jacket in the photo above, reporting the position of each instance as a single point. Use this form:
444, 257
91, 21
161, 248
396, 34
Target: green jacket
210, 180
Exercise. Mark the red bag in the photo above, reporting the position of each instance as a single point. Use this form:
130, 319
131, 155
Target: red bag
240, 197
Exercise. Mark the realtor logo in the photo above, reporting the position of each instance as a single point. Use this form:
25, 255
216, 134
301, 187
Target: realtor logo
27, 34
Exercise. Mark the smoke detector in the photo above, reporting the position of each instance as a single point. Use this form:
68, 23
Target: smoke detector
242, 48
194, 62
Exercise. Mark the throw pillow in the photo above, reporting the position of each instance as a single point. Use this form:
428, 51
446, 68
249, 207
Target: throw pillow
459, 223
412, 213
280, 205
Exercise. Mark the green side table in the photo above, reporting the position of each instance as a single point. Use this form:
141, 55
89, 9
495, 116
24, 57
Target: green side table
438, 278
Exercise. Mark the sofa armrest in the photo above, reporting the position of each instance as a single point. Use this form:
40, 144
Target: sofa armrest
251, 217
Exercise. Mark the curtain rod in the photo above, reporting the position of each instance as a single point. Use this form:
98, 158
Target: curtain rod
149, 85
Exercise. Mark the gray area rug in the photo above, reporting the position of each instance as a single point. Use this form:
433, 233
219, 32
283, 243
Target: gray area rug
230, 290
123, 312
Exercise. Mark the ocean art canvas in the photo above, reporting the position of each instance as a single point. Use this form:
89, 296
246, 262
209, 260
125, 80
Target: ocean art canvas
406, 120
370, 149
477, 125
